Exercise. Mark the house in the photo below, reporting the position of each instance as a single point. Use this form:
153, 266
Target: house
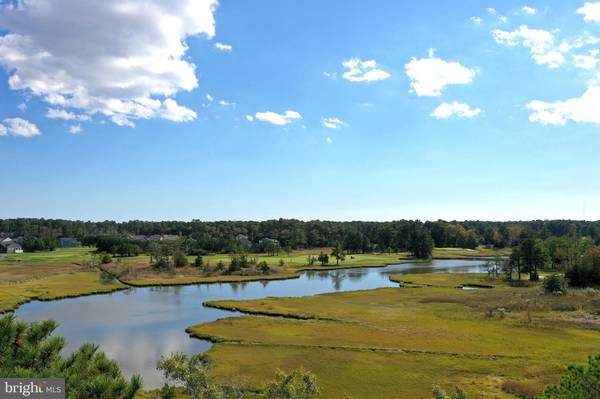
243, 239
137, 237
269, 240
8, 246
68, 242
163, 237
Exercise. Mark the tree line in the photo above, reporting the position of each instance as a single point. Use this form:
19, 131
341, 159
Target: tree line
356, 237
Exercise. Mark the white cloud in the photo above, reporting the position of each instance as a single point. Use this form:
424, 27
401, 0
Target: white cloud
278, 119
578, 109
20, 127
552, 58
172, 111
363, 71
446, 110
127, 67
586, 61
3, 130
476, 20
22, 107
249, 118
529, 10
209, 98
502, 19
430, 76
492, 10
54, 113
223, 47
226, 103
590, 12
539, 42
333, 123
328, 140
75, 129
330, 75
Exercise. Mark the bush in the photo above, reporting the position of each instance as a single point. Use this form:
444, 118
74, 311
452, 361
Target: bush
554, 284
198, 261
581, 382
264, 268
106, 258
180, 260
281, 263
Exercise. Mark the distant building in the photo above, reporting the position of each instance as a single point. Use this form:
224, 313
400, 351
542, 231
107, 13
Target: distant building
269, 240
8, 246
242, 239
68, 242
137, 237
163, 237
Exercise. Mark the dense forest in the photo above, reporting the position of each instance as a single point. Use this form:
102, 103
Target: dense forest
357, 236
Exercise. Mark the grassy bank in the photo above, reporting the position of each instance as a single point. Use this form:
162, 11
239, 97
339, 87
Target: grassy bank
54, 287
398, 342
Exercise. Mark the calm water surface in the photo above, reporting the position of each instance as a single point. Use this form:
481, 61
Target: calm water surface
137, 326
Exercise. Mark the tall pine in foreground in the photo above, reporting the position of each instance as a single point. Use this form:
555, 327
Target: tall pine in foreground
29, 350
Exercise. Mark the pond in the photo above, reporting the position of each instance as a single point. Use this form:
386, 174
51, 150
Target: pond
138, 325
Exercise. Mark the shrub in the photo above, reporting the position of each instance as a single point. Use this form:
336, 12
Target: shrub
281, 263
555, 284
106, 258
581, 382
198, 261
264, 268
180, 260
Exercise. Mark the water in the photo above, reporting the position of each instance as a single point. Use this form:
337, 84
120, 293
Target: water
137, 326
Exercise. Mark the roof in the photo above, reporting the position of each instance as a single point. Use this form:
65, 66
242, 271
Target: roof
10, 244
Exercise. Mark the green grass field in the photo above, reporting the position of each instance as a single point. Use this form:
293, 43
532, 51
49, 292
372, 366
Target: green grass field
399, 342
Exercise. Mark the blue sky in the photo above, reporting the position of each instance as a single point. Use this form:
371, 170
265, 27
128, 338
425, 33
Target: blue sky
452, 111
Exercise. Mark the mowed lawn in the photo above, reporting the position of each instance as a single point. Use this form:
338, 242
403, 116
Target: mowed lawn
399, 342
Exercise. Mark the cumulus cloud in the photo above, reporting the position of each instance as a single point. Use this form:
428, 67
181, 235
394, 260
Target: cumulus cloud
333, 123
278, 119
590, 12
223, 47
588, 61
476, 20
54, 113
363, 71
75, 129
578, 109
249, 118
209, 98
529, 10
539, 42
430, 76
172, 111
328, 140
446, 110
19, 127
123, 59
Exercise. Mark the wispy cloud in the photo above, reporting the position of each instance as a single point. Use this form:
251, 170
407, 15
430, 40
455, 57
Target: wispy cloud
333, 123
223, 47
